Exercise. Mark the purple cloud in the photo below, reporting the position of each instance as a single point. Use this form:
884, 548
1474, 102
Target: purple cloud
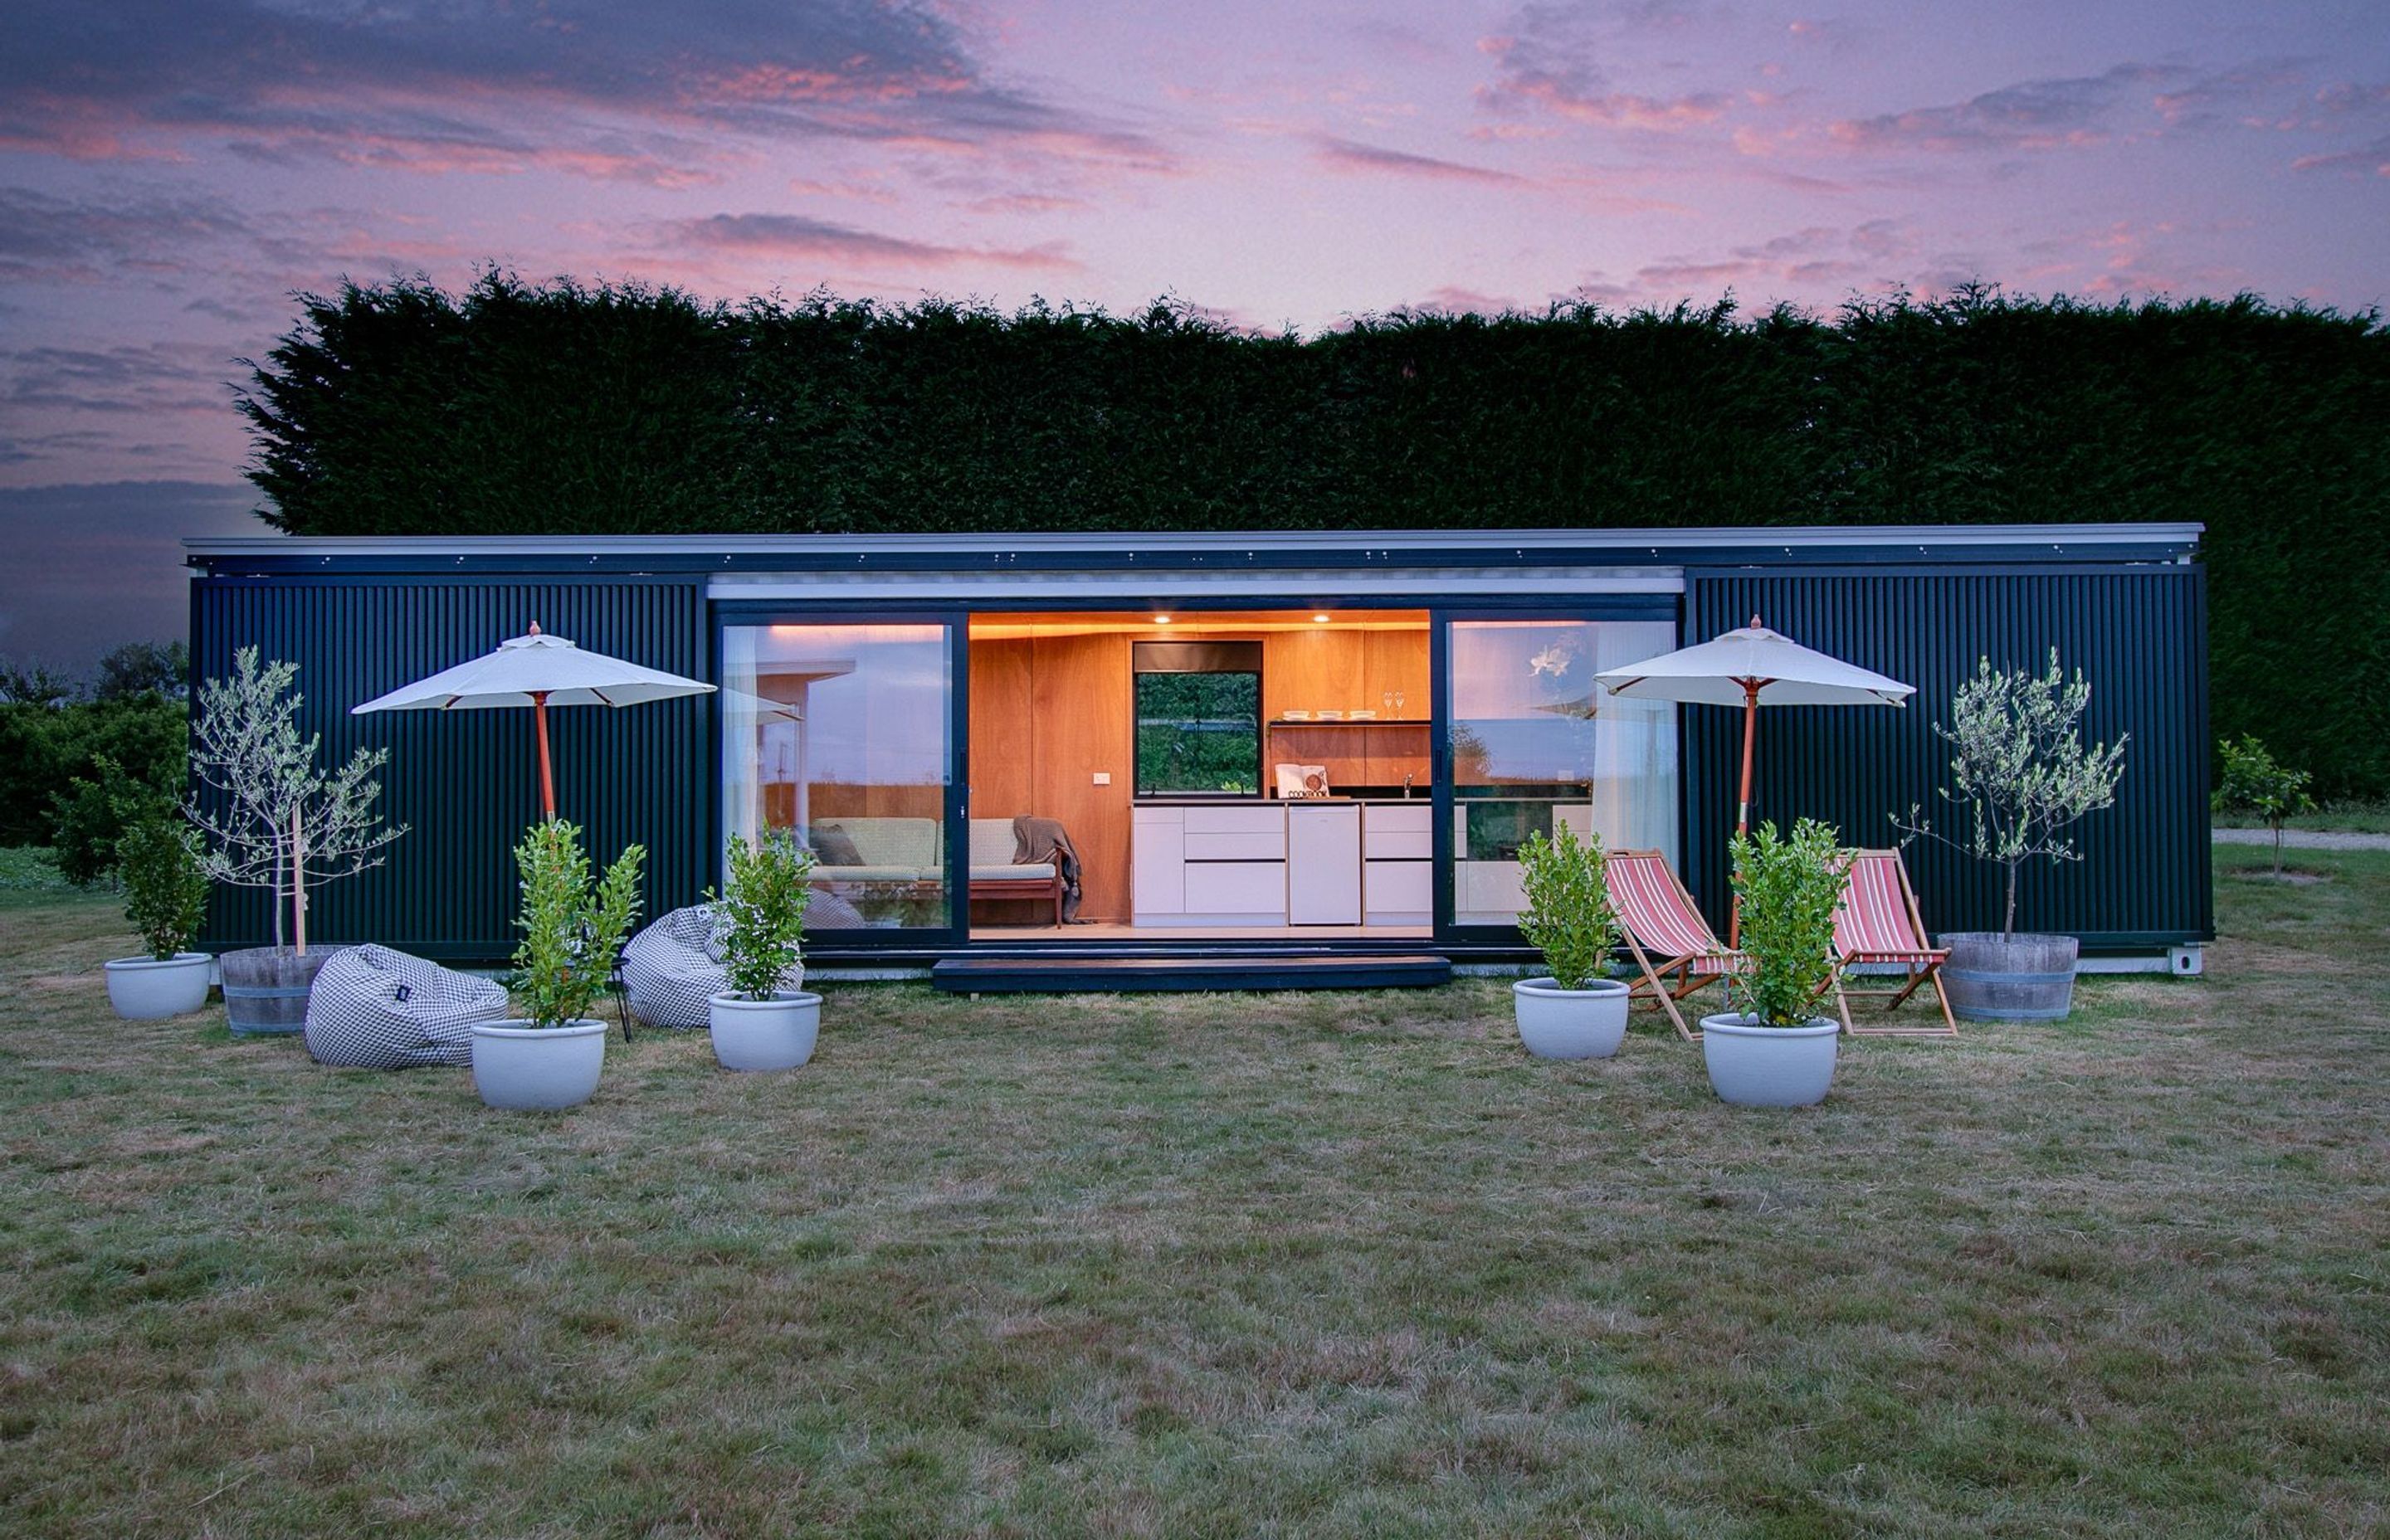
1550, 59
482, 85
798, 235
1345, 155
2038, 114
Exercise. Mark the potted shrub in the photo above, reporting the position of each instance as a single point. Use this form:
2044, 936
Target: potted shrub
764, 1020
1777, 1050
166, 897
572, 931
272, 819
1571, 1012
2020, 764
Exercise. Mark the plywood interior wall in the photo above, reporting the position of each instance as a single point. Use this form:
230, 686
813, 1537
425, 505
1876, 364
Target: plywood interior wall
1047, 711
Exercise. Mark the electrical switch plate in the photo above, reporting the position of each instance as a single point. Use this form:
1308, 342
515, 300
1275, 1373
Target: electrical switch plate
1103, 778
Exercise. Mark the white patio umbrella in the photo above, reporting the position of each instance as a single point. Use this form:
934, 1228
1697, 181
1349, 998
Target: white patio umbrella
539, 671
1750, 667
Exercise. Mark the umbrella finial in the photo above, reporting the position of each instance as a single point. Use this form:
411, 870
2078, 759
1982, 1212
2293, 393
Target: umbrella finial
535, 628
1754, 622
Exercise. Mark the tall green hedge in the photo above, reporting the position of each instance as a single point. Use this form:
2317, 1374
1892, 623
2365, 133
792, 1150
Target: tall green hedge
517, 408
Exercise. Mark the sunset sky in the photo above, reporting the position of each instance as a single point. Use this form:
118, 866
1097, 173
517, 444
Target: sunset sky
172, 171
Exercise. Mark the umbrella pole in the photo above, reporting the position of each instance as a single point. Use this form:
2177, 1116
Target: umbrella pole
1742, 808
547, 777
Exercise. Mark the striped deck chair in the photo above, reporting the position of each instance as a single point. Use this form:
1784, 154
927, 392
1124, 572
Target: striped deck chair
1671, 943
1879, 923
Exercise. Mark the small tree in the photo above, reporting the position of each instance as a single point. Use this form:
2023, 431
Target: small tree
285, 826
2019, 762
1568, 916
572, 931
1787, 891
2253, 782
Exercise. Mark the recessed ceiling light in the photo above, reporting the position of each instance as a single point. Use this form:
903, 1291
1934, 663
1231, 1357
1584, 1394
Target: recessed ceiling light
1320, 618
1161, 620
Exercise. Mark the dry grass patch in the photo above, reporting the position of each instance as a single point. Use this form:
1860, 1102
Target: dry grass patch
1189, 1265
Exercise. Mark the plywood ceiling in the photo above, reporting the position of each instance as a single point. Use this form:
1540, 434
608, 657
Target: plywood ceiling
1194, 623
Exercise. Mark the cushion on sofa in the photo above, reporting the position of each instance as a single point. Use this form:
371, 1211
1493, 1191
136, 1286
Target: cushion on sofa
834, 847
886, 850
990, 855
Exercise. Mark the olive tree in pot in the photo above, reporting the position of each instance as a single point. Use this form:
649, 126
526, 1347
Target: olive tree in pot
763, 1022
572, 929
1777, 1050
1572, 1012
2020, 764
271, 819
166, 896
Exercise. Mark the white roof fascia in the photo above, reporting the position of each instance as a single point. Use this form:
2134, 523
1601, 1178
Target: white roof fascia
1405, 585
1386, 542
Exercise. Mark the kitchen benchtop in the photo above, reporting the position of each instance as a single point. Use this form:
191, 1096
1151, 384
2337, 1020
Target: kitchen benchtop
1396, 801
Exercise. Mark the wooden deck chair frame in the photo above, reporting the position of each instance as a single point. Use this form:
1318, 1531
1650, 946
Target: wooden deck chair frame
1675, 974
1921, 959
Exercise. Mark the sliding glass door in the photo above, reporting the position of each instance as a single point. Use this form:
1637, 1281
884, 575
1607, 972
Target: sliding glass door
844, 732
1530, 741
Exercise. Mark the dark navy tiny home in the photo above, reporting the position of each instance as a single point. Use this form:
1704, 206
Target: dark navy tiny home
1315, 744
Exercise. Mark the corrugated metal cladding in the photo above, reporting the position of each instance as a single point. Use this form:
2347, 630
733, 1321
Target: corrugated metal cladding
466, 782
2139, 635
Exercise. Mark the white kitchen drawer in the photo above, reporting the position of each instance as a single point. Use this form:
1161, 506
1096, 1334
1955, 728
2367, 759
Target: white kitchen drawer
1235, 820
1397, 893
1236, 834
1236, 887
1398, 833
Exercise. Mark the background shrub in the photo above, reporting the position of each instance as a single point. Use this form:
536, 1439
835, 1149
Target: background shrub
561, 408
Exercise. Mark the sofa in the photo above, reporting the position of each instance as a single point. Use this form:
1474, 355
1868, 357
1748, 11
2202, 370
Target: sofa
912, 851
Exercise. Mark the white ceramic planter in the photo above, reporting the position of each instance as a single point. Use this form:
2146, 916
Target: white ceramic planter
142, 989
1570, 1023
527, 1069
1756, 1066
776, 1033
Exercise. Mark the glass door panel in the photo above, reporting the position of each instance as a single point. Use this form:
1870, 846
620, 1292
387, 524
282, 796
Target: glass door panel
841, 732
1533, 741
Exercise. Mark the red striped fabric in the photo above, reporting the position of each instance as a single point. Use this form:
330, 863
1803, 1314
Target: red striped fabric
1654, 905
1873, 924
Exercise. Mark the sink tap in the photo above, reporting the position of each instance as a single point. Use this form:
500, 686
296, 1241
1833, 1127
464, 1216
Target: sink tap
1407, 784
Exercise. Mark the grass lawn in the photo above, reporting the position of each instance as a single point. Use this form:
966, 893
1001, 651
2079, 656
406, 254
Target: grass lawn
1225, 1265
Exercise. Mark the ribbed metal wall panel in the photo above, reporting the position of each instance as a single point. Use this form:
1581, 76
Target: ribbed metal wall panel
466, 782
2139, 635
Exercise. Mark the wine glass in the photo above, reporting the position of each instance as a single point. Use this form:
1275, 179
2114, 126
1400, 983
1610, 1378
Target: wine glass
1387, 700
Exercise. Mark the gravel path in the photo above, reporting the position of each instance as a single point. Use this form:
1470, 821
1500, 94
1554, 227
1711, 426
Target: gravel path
2303, 838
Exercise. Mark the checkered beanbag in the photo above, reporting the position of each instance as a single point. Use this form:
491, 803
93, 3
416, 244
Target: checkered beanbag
378, 1009
672, 968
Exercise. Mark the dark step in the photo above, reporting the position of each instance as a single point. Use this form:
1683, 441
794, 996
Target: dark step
1257, 970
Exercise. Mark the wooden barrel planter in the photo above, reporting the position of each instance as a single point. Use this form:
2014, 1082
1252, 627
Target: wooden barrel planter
1995, 977
265, 988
